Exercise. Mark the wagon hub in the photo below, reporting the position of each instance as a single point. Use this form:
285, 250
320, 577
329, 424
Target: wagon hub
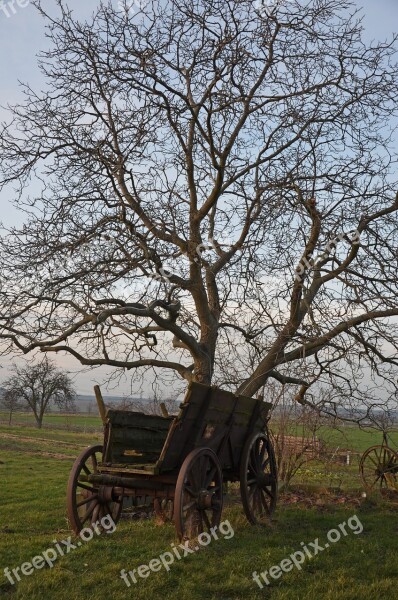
264, 480
105, 494
205, 499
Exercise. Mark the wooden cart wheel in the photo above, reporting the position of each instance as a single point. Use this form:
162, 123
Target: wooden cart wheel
86, 502
199, 495
378, 468
163, 509
258, 479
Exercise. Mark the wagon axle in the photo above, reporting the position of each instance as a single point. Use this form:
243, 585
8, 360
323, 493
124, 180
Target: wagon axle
207, 500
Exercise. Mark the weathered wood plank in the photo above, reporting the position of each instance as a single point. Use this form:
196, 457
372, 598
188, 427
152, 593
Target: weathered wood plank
124, 418
203, 419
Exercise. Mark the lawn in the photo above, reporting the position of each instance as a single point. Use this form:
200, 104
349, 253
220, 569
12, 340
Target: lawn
51, 420
32, 516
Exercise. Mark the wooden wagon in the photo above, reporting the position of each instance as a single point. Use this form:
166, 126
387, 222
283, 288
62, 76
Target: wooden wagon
179, 462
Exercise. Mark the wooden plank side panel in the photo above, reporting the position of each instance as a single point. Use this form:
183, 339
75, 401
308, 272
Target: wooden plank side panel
139, 439
126, 418
207, 415
122, 468
118, 455
135, 437
174, 450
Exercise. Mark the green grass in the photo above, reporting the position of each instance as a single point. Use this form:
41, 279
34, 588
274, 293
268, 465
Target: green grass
349, 436
71, 437
33, 515
78, 421
343, 437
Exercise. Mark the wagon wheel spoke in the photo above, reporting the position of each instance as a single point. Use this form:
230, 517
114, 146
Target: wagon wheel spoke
373, 461
210, 476
190, 491
96, 512
262, 453
266, 490
84, 500
258, 478
252, 490
206, 519
89, 512
198, 495
370, 467
86, 487
380, 474
257, 500
195, 479
189, 505
164, 508
86, 469
390, 469
101, 512
253, 461
94, 463
105, 510
89, 499
203, 472
264, 502
201, 521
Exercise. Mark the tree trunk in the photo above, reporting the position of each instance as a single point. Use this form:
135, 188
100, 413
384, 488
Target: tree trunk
202, 371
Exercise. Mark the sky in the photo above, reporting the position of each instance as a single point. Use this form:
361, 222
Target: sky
22, 37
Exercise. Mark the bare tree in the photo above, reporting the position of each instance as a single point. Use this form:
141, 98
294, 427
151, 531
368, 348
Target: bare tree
39, 386
218, 197
10, 401
150, 406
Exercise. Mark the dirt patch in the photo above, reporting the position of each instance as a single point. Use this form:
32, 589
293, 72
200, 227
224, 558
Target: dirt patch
321, 499
60, 427
13, 436
56, 455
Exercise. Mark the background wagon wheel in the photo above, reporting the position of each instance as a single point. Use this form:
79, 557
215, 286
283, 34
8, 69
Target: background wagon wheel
378, 468
199, 495
258, 479
86, 502
163, 509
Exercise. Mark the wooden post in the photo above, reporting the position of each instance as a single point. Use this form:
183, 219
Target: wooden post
100, 402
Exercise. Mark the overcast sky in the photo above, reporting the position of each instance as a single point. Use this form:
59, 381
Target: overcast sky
22, 36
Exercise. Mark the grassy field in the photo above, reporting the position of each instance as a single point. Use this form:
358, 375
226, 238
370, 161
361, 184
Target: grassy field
336, 438
34, 467
52, 420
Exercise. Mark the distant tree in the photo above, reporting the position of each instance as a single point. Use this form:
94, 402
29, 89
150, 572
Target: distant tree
150, 406
38, 387
10, 402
